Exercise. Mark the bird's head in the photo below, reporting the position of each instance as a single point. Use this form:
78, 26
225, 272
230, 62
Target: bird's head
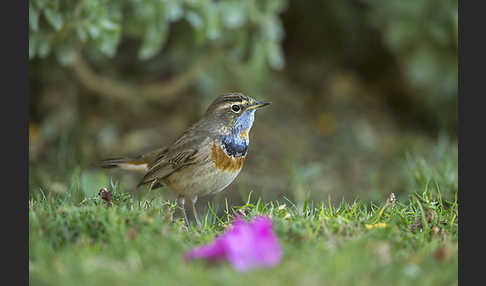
233, 113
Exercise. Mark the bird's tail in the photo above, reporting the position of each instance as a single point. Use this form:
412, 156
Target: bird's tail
125, 163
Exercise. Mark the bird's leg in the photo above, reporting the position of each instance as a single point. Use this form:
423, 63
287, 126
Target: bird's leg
182, 207
193, 201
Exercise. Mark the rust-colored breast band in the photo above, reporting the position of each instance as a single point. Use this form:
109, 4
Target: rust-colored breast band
224, 162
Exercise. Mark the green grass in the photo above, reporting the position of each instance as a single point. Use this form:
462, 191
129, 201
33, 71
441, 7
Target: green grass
76, 239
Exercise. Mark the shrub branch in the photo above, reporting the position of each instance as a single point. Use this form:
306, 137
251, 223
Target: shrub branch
161, 92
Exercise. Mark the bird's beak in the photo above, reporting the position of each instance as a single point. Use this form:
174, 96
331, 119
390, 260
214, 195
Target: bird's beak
258, 105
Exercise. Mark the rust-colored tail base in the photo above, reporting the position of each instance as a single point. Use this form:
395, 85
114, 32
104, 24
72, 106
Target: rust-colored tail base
125, 163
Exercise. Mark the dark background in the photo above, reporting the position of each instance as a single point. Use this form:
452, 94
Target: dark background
364, 93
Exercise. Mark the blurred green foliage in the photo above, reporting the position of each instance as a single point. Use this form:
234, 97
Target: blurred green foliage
423, 37
405, 51
248, 33
420, 37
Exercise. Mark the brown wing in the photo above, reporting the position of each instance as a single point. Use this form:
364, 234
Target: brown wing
164, 166
183, 152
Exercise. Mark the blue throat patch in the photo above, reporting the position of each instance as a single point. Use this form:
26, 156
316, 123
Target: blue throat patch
233, 144
234, 147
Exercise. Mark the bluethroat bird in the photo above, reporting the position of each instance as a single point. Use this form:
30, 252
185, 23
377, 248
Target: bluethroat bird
206, 158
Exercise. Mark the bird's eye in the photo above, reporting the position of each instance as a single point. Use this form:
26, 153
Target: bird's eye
236, 108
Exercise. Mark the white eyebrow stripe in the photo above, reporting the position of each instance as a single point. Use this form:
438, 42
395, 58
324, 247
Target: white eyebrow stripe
229, 104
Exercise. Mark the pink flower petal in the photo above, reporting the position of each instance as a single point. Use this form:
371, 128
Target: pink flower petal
214, 251
245, 245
